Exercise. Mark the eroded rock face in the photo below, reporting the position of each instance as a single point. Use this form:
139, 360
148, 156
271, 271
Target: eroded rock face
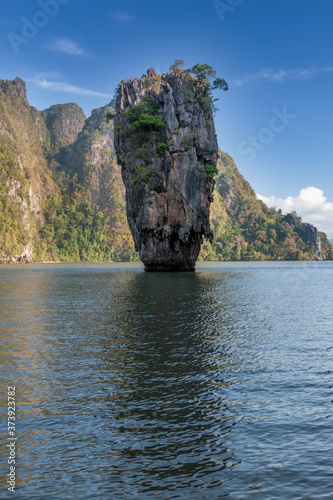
167, 167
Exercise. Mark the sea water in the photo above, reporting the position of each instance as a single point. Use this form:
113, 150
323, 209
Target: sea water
133, 385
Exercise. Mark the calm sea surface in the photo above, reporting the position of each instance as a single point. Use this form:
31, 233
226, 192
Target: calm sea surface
206, 385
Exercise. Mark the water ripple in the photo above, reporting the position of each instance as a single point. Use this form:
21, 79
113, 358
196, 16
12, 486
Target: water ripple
207, 385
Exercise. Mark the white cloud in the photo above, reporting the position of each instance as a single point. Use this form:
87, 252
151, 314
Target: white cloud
122, 16
310, 204
59, 86
282, 75
67, 46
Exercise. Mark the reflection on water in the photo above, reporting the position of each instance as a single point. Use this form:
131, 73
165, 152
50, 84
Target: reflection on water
194, 385
166, 413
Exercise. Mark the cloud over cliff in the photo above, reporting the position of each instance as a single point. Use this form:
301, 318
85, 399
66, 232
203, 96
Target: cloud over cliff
310, 203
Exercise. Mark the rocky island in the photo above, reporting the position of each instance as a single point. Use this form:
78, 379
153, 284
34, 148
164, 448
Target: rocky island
166, 144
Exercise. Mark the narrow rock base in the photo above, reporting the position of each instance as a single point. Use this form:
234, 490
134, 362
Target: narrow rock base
170, 254
168, 269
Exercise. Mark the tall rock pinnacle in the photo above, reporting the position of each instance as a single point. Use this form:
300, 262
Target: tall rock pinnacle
166, 145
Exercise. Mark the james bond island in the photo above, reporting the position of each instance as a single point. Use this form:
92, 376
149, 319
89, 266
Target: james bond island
167, 147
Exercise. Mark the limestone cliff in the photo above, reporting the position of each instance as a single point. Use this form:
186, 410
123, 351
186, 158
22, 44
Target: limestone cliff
24, 176
166, 145
308, 233
27, 136
91, 157
63, 123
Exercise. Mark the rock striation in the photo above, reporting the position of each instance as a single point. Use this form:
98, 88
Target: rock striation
166, 144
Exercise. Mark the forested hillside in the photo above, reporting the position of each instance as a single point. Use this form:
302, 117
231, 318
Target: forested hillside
62, 197
246, 229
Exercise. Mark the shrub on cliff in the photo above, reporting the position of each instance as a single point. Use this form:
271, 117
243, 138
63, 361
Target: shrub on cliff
206, 77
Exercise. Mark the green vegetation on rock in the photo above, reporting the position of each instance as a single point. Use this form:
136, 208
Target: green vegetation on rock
143, 174
144, 117
13, 233
211, 171
205, 77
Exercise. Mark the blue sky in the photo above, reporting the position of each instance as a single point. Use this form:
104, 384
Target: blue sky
276, 55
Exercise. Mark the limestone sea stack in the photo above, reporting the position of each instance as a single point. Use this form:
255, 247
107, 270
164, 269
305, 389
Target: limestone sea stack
167, 147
